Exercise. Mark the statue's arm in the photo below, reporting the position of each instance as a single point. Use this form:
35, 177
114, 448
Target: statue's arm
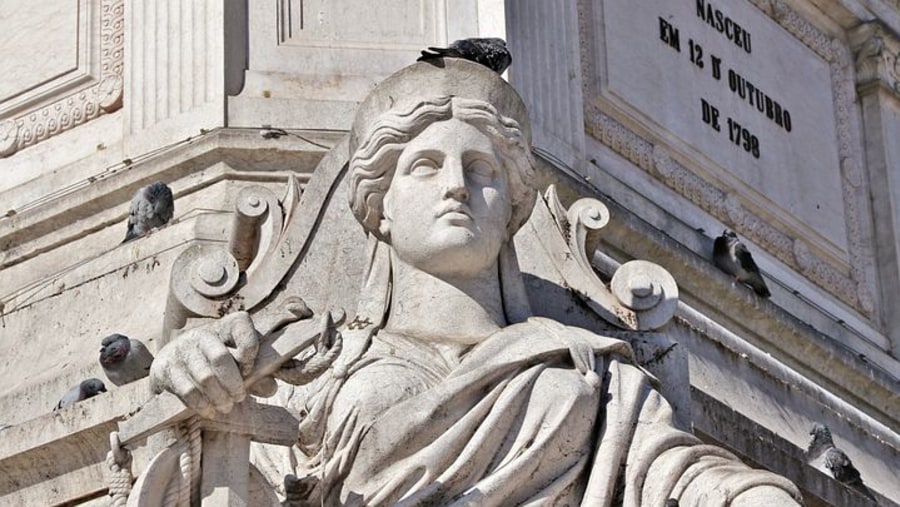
207, 367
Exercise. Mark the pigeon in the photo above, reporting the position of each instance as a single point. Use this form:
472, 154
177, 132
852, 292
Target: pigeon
821, 451
86, 389
731, 256
124, 359
151, 207
490, 52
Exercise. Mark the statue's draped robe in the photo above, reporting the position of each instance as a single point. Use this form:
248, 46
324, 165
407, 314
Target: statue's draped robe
537, 414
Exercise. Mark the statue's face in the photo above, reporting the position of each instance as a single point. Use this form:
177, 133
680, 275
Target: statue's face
447, 209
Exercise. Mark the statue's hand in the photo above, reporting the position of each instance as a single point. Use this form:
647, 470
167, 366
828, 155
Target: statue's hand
205, 366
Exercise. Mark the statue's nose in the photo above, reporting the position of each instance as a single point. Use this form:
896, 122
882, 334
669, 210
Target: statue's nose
454, 179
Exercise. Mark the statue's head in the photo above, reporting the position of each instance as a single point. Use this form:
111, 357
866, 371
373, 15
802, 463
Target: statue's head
412, 102
441, 171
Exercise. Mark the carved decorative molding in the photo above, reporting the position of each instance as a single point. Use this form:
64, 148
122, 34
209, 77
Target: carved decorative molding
792, 21
854, 289
104, 95
877, 56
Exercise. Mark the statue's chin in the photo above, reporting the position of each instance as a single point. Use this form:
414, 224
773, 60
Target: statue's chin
465, 258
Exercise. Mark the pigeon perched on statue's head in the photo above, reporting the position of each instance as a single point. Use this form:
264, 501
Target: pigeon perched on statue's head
490, 52
731, 256
124, 359
151, 207
84, 390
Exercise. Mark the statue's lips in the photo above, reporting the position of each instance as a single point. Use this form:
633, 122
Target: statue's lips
457, 214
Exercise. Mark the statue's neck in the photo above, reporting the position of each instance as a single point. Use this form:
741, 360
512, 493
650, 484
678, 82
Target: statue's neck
447, 309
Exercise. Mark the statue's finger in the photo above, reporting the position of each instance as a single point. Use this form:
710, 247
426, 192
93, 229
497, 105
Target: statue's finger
274, 318
183, 386
246, 341
225, 368
162, 365
207, 378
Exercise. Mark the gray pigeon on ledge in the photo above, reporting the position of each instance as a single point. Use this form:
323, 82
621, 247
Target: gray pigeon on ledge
822, 452
86, 389
124, 359
490, 52
731, 256
151, 207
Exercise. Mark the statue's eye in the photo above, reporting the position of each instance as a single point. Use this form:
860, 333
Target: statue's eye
481, 170
423, 167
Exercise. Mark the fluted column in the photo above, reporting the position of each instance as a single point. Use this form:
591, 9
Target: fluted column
182, 59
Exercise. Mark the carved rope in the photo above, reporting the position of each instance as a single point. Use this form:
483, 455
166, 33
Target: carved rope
189, 462
118, 464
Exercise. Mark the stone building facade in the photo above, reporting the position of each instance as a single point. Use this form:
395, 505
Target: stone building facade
778, 119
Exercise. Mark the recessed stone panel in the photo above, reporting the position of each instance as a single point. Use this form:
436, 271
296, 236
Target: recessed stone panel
718, 82
40, 44
63, 67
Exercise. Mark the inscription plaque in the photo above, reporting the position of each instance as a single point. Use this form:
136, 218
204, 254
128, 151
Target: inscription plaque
732, 86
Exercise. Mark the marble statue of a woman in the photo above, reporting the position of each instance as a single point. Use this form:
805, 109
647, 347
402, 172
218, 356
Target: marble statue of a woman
447, 391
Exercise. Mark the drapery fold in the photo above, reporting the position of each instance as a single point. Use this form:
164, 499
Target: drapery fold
537, 414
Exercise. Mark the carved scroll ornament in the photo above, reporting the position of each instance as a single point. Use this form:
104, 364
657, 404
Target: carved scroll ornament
641, 296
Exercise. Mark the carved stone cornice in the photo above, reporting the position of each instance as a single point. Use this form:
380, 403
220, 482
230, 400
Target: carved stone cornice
877, 55
75, 107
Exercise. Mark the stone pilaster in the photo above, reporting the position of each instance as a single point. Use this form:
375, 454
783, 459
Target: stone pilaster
182, 59
877, 50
